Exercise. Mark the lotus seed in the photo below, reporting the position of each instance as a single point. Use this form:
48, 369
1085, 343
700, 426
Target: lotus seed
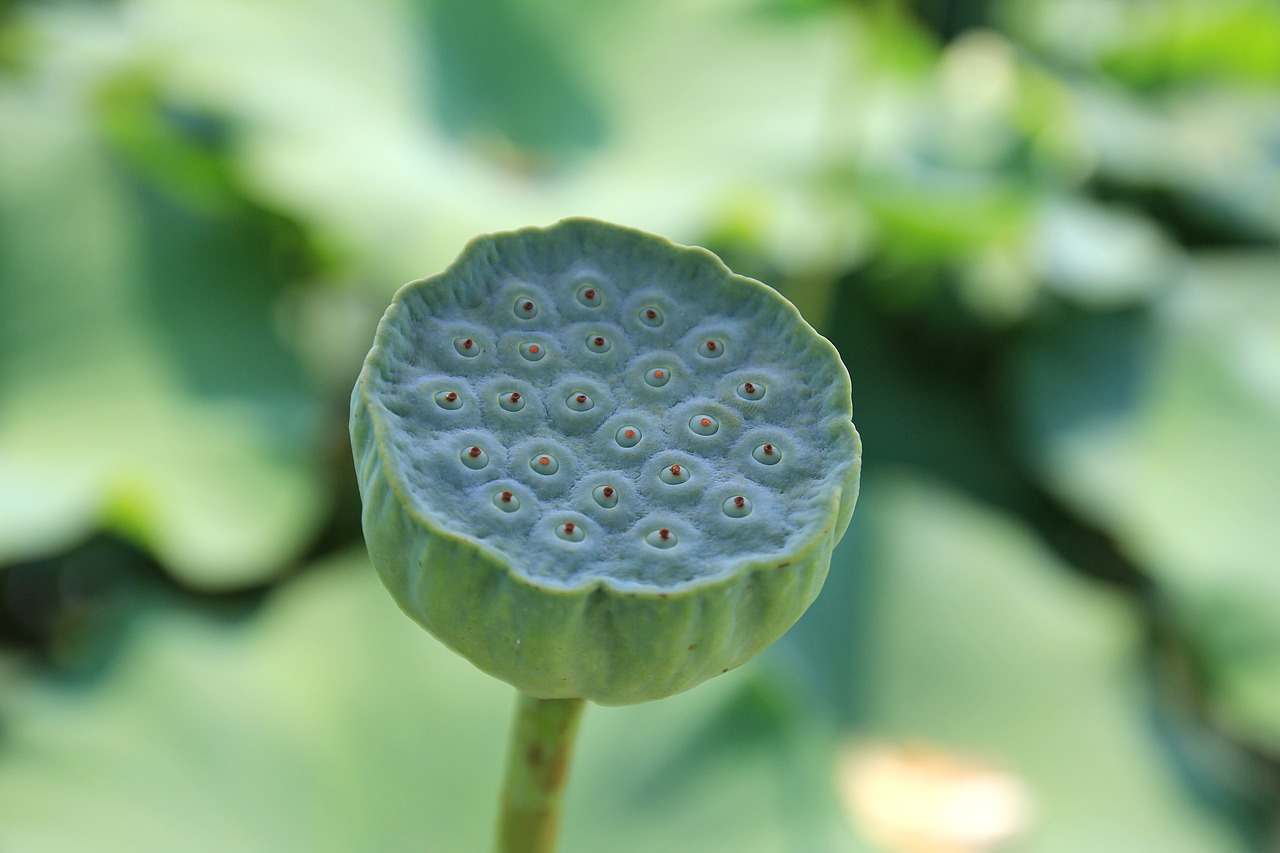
448, 400
767, 454
751, 391
661, 538
525, 308
579, 402
598, 343
532, 352
704, 425
651, 317
658, 376
589, 296
606, 496
628, 436
544, 464
466, 347
512, 402
570, 532
473, 457
711, 349
737, 506
674, 474
506, 501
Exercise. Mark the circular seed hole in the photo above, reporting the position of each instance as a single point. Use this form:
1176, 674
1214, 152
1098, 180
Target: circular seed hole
737, 506
767, 454
711, 349
512, 402
751, 391
570, 532
506, 501
448, 400
658, 376
661, 538
544, 463
473, 457
589, 295
673, 475
579, 402
704, 425
466, 347
598, 343
532, 352
628, 436
651, 316
606, 496
526, 308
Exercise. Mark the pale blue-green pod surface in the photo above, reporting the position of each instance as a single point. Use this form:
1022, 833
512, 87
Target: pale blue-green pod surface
551, 438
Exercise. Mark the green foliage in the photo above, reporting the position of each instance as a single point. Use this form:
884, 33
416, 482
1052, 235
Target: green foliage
332, 723
973, 637
1043, 236
142, 382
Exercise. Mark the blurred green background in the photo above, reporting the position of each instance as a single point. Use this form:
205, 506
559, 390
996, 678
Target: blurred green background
1044, 234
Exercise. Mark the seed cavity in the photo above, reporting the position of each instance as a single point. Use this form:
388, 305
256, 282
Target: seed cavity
532, 352
544, 463
674, 474
651, 316
628, 436
570, 532
711, 349
751, 391
661, 538
704, 425
466, 347
737, 506
589, 295
506, 501
579, 402
767, 454
448, 400
606, 496
658, 376
473, 457
512, 402
526, 308
598, 343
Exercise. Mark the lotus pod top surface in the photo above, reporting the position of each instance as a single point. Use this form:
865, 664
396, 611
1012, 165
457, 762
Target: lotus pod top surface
591, 408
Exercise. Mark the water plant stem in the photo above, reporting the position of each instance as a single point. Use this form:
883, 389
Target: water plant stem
537, 764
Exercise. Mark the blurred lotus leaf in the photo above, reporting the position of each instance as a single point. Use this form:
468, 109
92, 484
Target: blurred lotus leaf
962, 632
502, 113
331, 723
143, 386
1148, 45
1163, 430
1103, 257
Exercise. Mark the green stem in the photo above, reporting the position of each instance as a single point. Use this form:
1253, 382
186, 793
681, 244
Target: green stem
541, 743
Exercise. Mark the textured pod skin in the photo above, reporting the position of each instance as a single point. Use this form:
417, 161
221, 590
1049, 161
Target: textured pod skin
637, 624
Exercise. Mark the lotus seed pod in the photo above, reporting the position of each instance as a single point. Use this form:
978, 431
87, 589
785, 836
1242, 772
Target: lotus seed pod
644, 514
